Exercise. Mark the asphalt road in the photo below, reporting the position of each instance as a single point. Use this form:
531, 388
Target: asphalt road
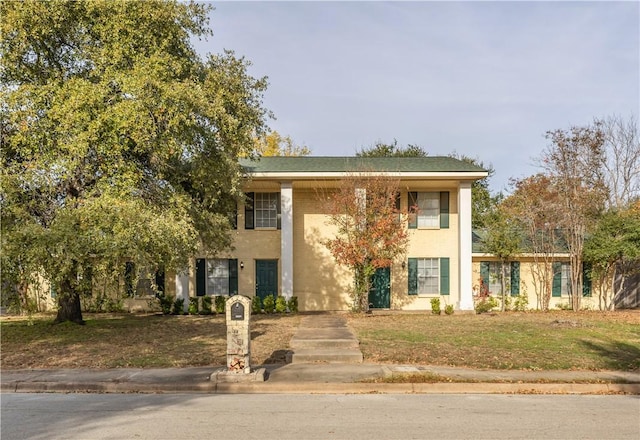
353, 417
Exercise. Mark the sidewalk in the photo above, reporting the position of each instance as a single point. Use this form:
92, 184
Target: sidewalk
328, 377
320, 378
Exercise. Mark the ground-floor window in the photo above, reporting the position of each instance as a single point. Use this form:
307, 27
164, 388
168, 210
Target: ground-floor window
562, 279
215, 276
491, 274
428, 276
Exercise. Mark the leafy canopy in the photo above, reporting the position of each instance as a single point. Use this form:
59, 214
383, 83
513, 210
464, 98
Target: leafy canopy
119, 142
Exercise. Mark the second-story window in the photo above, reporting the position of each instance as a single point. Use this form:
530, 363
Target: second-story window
262, 210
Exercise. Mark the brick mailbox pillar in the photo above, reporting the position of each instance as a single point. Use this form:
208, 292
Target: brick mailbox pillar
238, 310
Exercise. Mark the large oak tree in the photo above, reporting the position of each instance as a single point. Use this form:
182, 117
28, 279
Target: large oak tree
119, 143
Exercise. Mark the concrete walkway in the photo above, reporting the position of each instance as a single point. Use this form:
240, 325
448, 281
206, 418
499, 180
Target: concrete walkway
325, 338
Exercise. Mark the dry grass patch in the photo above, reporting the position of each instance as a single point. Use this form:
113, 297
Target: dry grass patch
136, 341
528, 341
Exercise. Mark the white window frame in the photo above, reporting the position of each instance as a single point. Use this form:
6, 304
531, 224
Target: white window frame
217, 277
565, 279
265, 210
428, 210
495, 286
428, 276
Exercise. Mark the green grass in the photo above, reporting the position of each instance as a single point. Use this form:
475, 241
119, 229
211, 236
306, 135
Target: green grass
530, 341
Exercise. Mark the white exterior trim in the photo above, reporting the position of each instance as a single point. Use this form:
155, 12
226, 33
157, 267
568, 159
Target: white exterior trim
465, 267
332, 175
286, 238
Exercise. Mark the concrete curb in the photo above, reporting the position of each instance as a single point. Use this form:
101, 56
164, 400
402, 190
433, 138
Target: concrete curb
319, 388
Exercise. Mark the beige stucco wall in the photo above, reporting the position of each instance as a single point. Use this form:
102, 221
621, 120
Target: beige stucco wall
430, 243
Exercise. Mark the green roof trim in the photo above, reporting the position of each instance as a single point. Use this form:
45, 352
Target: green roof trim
326, 164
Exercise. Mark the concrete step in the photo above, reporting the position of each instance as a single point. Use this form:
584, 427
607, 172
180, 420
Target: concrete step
304, 343
345, 356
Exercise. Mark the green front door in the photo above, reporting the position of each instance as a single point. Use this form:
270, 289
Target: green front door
380, 292
266, 278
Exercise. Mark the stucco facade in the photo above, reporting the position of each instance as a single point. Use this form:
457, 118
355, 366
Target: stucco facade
293, 248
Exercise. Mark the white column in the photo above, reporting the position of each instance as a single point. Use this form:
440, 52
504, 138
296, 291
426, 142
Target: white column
286, 238
464, 246
182, 289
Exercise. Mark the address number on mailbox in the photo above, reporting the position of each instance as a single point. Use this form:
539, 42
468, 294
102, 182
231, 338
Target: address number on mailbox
237, 312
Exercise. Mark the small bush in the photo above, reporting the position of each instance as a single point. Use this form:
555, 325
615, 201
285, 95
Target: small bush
178, 306
206, 306
281, 304
166, 301
521, 302
435, 306
448, 309
256, 304
194, 305
220, 304
292, 304
269, 304
486, 304
564, 306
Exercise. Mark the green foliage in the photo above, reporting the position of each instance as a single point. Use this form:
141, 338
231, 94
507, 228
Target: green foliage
178, 306
435, 306
448, 309
194, 305
206, 305
119, 142
281, 304
564, 306
220, 304
269, 304
380, 149
486, 304
521, 302
292, 304
166, 301
256, 305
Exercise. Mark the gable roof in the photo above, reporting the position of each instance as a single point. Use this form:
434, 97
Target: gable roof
325, 166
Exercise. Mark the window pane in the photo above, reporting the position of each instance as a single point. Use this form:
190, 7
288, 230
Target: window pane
428, 275
265, 205
428, 210
217, 277
495, 284
566, 279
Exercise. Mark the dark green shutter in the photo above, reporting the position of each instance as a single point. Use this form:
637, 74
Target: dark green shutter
413, 209
444, 210
484, 273
233, 276
248, 211
129, 276
52, 290
160, 280
444, 276
586, 279
233, 217
201, 277
413, 276
278, 211
515, 278
556, 286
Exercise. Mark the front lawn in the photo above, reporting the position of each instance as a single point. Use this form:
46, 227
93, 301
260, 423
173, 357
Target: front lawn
531, 341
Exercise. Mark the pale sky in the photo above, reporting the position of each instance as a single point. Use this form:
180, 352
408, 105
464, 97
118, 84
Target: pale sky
484, 79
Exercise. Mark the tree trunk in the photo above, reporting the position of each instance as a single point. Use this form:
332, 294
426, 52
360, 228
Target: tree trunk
503, 285
69, 308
